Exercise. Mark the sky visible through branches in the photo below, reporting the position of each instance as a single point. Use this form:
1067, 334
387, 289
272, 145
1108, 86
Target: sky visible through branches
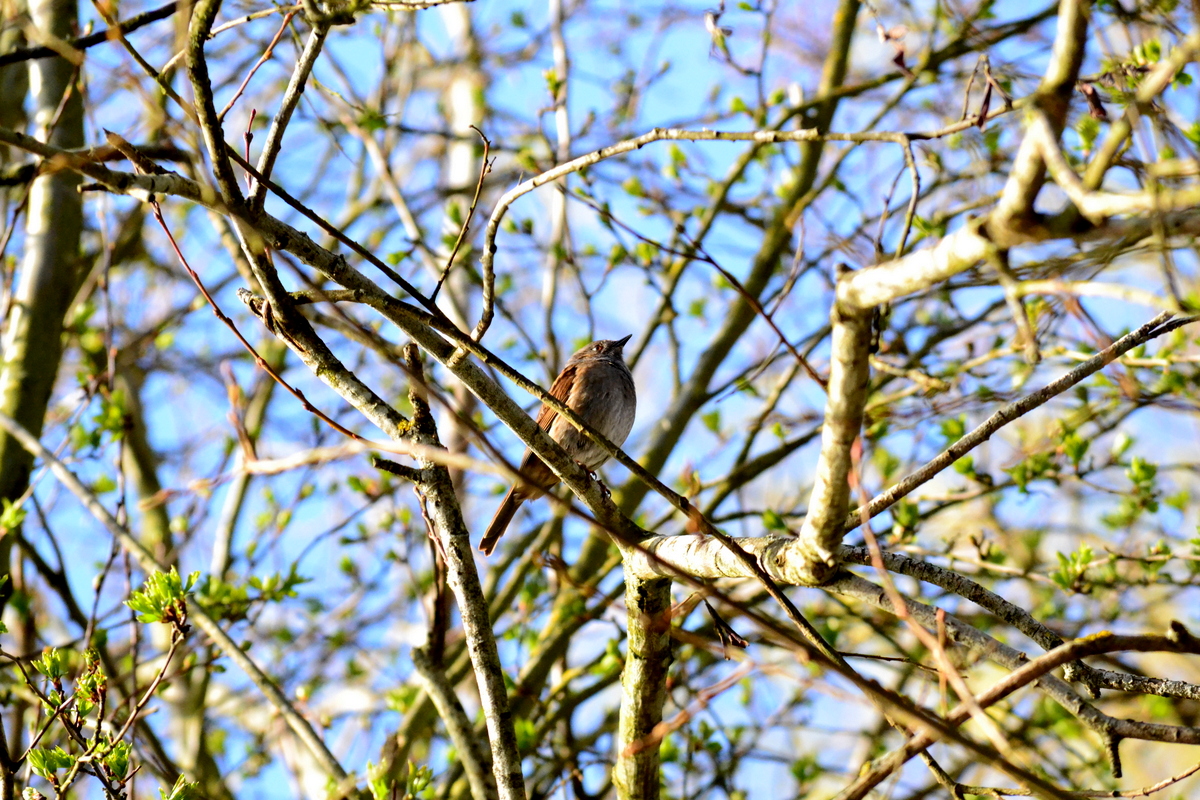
338, 549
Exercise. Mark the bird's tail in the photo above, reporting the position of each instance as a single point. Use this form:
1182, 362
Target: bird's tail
504, 514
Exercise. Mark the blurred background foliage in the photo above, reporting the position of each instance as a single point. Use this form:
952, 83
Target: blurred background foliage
1084, 513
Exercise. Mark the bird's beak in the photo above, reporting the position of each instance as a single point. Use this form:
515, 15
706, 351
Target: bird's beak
621, 342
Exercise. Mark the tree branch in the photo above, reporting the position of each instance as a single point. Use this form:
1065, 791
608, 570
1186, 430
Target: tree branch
145, 559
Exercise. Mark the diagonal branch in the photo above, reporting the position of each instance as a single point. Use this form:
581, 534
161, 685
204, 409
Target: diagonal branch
291, 98
92, 39
145, 559
204, 12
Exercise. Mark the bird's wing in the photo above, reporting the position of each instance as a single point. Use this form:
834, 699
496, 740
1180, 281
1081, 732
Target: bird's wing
561, 390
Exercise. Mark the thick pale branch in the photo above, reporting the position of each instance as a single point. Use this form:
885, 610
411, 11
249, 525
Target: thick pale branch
784, 557
1097, 206
643, 687
849, 374
1010, 222
1114, 291
888, 282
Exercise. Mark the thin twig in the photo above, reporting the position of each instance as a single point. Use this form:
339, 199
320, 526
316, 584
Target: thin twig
291, 98
487, 261
458, 725
484, 168
1104, 642
934, 644
146, 560
92, 39
262, 60
1161, 324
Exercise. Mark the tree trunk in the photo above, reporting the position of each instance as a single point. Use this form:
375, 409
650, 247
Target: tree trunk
32, 343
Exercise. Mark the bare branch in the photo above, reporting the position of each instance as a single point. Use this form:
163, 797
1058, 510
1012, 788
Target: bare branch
145, 559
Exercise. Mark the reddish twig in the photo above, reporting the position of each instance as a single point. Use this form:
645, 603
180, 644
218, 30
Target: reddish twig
700, 254
258, 359
262, 60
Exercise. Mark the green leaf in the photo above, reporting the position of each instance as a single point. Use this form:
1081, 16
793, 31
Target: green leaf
526, 731
402, 698
773, 522
12, 516
372, 121
1120, 445
117, 759
163, 597
52, 664
905, 516
1141, 472
612, 662
553, 81
1088, 129
378, 782
111, 417
1071, 569
954, 428
103, 485
419, 778
634, 187
965, 466
46, 762
1030, 470
1178, 501
1075, 447
182, 790
887, 462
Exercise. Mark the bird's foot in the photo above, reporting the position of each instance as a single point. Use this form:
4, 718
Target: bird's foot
596, 477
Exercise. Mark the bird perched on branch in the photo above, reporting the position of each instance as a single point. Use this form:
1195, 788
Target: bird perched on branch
597, 386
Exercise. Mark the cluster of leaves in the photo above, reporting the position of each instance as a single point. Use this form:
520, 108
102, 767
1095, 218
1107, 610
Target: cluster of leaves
163, 598
644, 214
73, 693
232, 600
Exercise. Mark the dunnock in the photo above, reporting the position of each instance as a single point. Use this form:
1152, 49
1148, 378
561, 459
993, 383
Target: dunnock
597, 386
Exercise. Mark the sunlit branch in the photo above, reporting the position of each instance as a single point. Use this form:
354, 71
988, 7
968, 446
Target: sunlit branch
298, 724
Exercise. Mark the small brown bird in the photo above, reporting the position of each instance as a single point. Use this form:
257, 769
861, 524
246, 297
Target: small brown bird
597, 386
